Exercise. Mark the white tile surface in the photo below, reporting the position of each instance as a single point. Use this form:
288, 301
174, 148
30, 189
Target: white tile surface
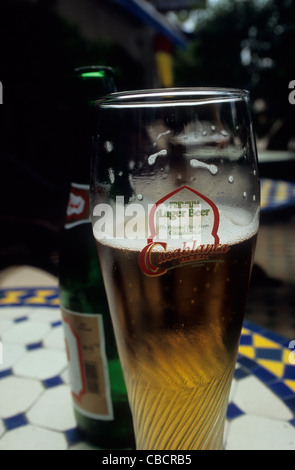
12, 313
11, 354
2, 429
55, 339
17, 395
65, 376
54, 410
33, 438
254, 398
233, 390
258, 433
5, 325
41, 364
26, 332
82, 446
44, 314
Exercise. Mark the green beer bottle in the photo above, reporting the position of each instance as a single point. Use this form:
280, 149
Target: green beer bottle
98, 388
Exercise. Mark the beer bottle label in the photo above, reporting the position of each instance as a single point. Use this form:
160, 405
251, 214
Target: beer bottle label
78, 211
88, 367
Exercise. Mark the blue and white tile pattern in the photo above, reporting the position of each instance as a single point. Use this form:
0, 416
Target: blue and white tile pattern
35, 401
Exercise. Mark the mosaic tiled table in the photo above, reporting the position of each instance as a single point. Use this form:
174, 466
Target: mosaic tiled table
35, 402
276, 195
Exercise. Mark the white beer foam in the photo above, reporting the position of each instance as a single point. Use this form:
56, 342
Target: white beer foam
235, 225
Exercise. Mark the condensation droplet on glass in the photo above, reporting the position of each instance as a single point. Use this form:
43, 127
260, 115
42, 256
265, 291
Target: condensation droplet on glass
224, 133
112, 175
213, 128
108, 146
152, 158
254, 172
120, 173
130, 179
198, 164
254, 197
140, 197
231, 179
244, 194
163, 133
204, 133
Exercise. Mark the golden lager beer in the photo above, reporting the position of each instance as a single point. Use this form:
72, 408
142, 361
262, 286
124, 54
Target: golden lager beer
178, 335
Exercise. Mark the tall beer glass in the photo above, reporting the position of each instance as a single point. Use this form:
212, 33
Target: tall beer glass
175, 207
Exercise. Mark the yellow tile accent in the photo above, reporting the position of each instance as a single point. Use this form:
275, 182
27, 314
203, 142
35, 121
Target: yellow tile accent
54, 301
247, 351
245, 331
288, 356
40, 296
265, 190
261, 342
290, 384
12, 297
276, 368
281, 194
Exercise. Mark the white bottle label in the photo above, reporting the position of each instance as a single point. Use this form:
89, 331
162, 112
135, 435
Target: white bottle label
88, 367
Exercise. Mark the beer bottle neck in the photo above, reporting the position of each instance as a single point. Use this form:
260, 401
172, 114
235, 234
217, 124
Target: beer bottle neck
90, 84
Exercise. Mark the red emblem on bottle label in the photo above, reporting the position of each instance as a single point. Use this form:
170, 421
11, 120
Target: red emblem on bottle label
78, 210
